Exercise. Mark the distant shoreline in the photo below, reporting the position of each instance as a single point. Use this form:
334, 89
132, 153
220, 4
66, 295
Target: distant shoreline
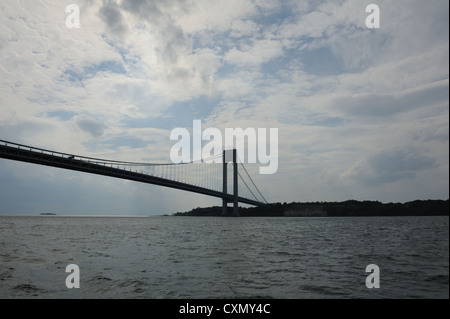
332, 209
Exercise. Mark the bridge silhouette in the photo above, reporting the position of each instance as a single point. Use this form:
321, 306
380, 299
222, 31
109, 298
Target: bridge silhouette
209, 179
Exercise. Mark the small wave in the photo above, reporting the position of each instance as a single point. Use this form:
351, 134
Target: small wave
101, 278
238, 295
171, 294
287, 253
34, 260
95, 254
324, 291
6, 275
29, 289
6, 258
442, 279
131, 282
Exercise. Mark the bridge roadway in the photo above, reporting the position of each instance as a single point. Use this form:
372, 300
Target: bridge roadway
29, 154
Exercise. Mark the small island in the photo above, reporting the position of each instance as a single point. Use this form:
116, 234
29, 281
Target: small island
47, 214
332, 209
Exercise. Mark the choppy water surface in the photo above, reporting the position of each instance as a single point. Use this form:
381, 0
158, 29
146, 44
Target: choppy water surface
207, 257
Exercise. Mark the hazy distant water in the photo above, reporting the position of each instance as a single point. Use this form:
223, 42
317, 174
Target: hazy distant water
202, 257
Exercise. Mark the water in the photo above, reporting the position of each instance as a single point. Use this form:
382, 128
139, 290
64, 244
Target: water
208, 257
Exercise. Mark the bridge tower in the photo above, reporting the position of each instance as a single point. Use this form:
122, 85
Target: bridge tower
226, 159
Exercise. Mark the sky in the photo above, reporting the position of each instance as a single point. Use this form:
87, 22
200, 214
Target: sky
362, 113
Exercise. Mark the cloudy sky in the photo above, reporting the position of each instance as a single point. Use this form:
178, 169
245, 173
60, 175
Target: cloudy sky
361, 113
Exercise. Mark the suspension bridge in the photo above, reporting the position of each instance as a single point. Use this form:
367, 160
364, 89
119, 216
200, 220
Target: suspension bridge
209, 177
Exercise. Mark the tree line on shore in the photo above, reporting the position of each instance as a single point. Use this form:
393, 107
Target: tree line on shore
332, 209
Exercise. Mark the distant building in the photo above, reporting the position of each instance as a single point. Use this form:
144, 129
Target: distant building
315, 212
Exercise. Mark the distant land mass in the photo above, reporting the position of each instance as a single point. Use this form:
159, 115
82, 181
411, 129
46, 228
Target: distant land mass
47, 214
333, 209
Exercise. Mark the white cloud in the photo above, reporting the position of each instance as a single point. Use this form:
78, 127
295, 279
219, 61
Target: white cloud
254, 54
242, 28
215, 15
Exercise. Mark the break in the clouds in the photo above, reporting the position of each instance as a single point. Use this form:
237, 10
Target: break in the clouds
361, 113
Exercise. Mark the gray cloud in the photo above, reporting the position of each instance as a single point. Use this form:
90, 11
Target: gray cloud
158, 15
146, 10
392, 165
437, 133
110, 13
90, 126
379, 105
171, 43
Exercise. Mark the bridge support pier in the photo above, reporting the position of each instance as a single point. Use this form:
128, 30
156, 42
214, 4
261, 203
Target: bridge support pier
226, 159
235, 185
224, 189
